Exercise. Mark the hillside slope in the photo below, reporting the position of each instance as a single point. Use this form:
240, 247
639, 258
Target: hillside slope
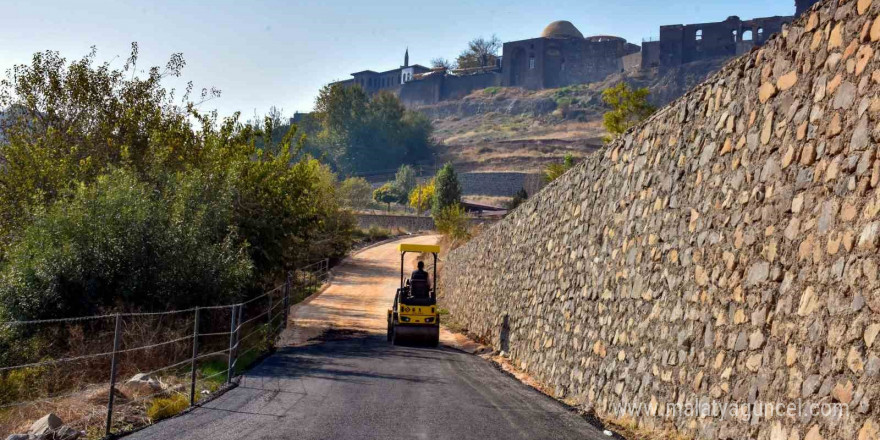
512, 129
723, 252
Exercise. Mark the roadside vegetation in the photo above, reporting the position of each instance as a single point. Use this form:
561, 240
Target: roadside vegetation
109, 181
354, 132
119, 195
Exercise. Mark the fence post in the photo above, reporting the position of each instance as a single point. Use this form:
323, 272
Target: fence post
113, 373
237, 336
192, 379
287, 288
270, 330
231, 342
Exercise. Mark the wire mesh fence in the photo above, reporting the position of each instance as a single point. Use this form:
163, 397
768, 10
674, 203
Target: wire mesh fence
108, 374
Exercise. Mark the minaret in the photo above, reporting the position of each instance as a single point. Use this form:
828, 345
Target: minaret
406, 58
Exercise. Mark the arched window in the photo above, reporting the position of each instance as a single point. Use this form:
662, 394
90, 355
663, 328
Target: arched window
531, 62
760, 34
747, 35
699, 35
735, 34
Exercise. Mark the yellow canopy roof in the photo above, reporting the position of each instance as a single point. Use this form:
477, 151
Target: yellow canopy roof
406, 247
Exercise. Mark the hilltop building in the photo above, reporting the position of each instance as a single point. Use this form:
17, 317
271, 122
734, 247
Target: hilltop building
680, 44
390, 80
562, 56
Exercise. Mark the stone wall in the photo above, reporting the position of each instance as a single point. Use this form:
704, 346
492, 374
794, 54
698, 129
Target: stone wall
409, 223
500, 184
725, 251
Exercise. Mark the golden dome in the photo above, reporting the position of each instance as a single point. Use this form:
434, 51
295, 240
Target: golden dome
561, 29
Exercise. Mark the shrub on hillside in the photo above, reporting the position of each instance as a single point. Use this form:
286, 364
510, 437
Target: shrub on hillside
453, 222
555, 170
628, 107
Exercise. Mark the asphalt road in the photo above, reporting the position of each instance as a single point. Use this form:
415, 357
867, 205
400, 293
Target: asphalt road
349, 383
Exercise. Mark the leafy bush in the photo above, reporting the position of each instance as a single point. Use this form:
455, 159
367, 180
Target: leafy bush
518, 199
554, 170
165, 407
422, 197
355, 192
117, 242
628, 107
378, 233
453, 222
20, 384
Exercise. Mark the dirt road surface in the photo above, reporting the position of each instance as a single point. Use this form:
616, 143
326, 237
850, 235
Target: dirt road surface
336, 377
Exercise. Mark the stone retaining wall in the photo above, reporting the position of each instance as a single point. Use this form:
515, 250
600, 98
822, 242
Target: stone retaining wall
725, 251
409, 223
500, 184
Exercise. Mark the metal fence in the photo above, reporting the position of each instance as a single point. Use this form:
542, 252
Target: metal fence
113, 373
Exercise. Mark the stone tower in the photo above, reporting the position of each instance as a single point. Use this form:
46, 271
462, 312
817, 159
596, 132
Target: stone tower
406, 58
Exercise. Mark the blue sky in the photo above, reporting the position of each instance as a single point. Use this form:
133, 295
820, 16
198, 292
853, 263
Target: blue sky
265, 53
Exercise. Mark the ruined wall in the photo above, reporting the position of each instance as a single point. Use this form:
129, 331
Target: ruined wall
723, 252
680, 44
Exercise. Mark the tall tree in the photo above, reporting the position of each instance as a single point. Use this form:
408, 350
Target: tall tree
447, 189
404, 182
361, 133
479, 53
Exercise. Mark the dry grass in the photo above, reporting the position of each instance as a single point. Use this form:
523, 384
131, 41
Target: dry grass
502, 142
630, 429
78, 391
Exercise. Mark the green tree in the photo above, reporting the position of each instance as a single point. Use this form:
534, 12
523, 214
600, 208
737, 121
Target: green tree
404, 182
118, 242
386, 194
480, 52
94, 156
360, 133
355, 192
628, 107
447, 189
554, 170
442, 63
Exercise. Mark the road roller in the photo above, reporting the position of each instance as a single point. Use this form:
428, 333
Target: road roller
414, 317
